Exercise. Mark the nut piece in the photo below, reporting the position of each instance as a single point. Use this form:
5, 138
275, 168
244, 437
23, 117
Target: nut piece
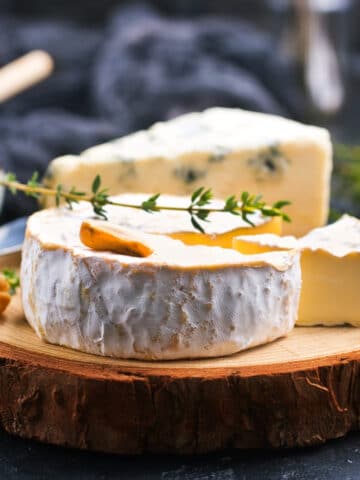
4, 301
4, 285
104, 236
4, 294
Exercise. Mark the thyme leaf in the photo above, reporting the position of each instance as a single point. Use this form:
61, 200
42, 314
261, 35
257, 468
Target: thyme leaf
12, 278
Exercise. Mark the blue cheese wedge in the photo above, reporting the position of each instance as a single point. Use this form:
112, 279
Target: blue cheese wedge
330, 263
229, 150
177, 301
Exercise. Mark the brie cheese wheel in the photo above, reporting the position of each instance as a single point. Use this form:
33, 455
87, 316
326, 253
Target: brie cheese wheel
178, 302
330, 263
229, 150
220, 231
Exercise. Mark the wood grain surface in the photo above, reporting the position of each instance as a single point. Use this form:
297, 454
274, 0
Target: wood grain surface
300, 390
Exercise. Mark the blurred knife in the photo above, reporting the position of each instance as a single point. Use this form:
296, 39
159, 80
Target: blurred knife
21, 74
24, 72
321, 62
11, 239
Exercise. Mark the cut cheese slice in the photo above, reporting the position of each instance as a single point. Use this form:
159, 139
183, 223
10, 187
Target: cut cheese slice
179, 302
219, 232
253, 244
330, 261
229, 150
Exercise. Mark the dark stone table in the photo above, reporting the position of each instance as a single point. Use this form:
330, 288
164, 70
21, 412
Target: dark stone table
337, 460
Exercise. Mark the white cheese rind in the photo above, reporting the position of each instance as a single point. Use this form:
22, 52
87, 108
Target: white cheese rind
229, 150
338, 239
180, 302
271, 240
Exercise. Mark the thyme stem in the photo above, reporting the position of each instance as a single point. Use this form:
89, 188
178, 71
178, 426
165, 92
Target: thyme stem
199, 209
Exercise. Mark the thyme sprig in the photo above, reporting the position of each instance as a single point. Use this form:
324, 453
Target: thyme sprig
199, 208
12, 279
345, 191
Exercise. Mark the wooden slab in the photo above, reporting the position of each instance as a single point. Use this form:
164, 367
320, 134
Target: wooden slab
300, 390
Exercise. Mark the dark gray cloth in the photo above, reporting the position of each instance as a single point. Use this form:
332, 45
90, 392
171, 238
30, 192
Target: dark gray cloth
139, 68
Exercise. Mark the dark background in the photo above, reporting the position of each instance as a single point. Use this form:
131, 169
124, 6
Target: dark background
120, 66
28, 460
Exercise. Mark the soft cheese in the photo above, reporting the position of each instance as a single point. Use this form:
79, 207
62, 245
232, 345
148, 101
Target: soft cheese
330, 263
229, 150
178, 302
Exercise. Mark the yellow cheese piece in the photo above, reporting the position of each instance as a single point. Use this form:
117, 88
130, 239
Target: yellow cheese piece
228, 150
330, 291
272, 225
330, 265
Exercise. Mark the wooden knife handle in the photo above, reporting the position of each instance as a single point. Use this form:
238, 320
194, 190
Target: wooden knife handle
24, 72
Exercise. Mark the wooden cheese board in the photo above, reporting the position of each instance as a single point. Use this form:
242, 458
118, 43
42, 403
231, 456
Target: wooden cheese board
300, 390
